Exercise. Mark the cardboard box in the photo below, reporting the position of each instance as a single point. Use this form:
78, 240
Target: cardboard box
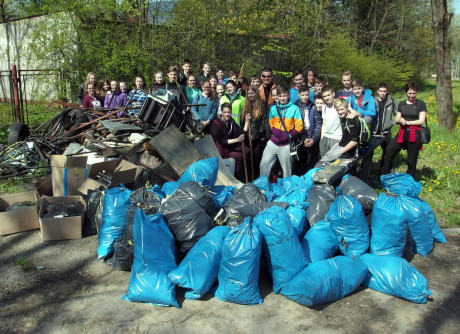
61, 228
19, 220
121, 171
67, 174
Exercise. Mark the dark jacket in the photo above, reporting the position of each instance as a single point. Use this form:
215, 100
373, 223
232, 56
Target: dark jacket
81, 94
221, 134
202, 78
258, 127
389, 112
315, 119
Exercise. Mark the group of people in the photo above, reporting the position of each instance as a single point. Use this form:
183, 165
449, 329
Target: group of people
254, 121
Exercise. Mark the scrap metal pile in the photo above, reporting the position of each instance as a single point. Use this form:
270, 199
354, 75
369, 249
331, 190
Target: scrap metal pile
112, 131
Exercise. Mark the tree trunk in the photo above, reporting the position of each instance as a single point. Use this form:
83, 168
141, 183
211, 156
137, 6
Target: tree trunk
441, 21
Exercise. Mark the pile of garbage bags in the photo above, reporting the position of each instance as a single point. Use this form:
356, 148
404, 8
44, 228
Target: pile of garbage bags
318, 243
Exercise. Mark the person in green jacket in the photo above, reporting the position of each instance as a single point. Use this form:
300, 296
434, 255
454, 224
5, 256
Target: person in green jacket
233, 97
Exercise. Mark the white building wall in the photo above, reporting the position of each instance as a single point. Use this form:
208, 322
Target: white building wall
15, 39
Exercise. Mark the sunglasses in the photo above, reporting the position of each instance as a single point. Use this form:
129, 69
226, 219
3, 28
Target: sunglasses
266, 76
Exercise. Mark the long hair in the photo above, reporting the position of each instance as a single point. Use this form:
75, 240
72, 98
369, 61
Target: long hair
255, 109
100, 88
88, 76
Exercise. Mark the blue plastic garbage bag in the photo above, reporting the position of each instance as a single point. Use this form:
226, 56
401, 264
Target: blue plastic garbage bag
293, 182
389, 226
264, 186
420, 229
326, 281
294, 197
395, 276
221, 194
116, 203
153, 260
281, 246
202, 171
320, 242
438, 236
198, 270
298, 219
401, 184
277, 190
170, 187
239, 269
347, 220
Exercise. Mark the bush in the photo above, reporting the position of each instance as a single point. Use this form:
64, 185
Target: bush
341, 53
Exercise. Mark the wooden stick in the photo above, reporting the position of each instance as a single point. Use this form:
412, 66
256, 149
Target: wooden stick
251, 151
240, 75
244, 161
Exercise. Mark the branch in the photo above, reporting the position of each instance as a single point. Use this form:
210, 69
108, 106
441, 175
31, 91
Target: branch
380, 26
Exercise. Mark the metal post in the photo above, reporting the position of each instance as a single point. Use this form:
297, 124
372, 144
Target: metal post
15, 100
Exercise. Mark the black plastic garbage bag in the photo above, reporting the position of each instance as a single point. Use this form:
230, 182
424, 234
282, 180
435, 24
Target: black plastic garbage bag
358, 189
320, 198
189, 213
93, 201
123, 255
253, 210
147, 200
247, 194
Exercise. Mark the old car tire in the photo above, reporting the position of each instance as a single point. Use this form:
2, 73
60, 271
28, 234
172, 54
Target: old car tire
18, 132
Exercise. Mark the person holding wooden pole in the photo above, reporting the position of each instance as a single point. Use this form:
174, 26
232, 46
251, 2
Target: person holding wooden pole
253, 119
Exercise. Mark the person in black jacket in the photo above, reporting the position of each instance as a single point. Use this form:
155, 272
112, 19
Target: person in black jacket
386, 111
182, 76
253, 119
311, 131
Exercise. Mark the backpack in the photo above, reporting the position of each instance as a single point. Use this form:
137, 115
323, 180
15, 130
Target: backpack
364, 132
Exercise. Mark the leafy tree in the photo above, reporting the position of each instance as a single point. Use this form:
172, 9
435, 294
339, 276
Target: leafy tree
383, 40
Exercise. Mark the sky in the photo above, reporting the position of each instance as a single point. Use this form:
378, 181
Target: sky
456, 7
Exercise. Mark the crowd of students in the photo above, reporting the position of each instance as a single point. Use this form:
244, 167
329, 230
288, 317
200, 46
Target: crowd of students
253, 121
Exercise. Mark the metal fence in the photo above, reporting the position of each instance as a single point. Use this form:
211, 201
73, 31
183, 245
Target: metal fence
23, 86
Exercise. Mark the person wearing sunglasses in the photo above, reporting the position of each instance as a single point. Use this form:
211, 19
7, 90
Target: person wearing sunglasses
267, 85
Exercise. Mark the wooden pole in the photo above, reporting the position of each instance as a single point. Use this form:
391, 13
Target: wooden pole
251, 151
244, 161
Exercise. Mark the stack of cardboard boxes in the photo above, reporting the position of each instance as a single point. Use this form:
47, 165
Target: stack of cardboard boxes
71, 177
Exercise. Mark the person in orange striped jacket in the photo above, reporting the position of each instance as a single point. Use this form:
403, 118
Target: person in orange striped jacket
278, 145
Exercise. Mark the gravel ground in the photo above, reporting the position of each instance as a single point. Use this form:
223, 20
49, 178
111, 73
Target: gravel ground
60, 287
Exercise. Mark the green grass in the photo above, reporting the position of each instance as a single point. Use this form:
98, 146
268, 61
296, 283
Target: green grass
438, 163
38, 113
